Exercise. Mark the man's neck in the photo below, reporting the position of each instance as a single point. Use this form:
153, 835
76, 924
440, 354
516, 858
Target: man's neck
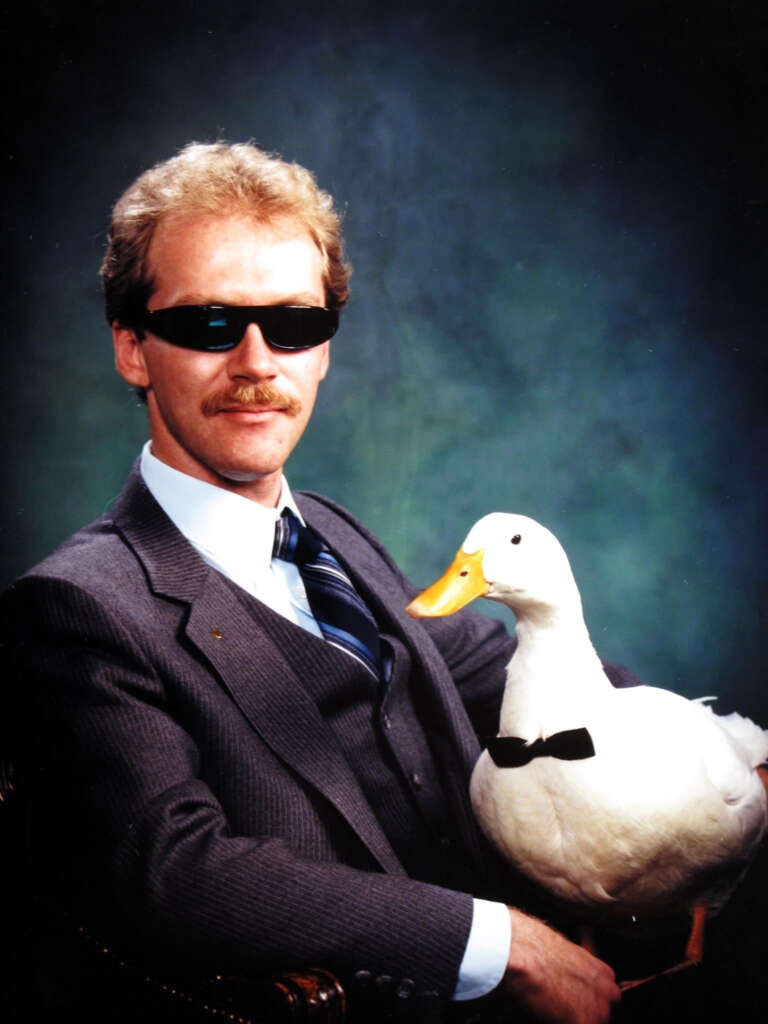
265, 490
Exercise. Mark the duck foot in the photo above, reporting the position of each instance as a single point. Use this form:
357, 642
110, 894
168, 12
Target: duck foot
625, 986
694, 950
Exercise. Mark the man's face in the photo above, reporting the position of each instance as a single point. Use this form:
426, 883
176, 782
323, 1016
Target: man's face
196, 425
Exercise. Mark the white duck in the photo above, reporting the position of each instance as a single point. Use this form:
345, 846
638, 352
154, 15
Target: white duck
667, 811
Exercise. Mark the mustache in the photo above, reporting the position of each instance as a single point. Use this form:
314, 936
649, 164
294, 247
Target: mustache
263, 393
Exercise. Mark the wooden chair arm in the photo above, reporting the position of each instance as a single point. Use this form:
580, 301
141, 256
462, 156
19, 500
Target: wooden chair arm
307, 995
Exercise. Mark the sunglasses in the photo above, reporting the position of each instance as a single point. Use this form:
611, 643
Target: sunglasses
218, 328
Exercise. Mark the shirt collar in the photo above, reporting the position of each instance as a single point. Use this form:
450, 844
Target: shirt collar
230, 531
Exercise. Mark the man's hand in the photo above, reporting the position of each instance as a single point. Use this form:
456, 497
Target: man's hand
554, 979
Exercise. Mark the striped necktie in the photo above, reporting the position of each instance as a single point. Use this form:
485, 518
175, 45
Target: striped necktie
343, 618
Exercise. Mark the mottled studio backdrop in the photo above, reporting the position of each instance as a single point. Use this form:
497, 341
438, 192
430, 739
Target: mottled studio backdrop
556, 215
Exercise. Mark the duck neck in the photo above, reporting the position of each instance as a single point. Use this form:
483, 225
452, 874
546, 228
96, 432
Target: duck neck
555, 674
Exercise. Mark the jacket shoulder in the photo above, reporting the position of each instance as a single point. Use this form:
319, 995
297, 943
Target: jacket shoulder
85, 556
322, 508
93, 569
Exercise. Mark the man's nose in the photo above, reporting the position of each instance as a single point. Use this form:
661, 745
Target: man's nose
252, 358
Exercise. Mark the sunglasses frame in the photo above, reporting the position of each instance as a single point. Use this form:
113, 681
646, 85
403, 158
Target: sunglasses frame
192, 333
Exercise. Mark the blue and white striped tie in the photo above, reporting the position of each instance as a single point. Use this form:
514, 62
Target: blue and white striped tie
341, 614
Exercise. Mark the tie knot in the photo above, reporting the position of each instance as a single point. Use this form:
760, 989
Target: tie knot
293, 541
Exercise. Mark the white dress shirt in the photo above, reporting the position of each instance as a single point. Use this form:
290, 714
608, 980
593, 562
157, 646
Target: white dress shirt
235, 535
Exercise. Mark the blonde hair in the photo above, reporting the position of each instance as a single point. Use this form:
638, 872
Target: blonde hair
209, 179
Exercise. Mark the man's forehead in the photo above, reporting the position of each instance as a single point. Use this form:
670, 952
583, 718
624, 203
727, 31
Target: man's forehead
235, 259
176, 228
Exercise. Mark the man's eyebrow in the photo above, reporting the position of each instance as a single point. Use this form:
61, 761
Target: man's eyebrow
201, 299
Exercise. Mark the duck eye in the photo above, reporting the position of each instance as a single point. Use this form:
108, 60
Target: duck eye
516, 539
464, 572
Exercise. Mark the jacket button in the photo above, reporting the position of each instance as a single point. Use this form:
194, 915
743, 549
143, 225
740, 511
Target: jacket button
386, 721
405, 988
384, 985
415, 780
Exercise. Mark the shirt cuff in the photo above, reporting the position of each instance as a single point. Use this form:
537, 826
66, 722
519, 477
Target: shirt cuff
487, 951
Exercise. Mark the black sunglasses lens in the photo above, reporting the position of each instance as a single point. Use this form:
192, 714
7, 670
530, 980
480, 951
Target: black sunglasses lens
297, 327
218, 328
196, 327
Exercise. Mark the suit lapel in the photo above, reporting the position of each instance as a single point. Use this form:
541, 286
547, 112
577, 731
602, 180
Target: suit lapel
244, 651
247, 658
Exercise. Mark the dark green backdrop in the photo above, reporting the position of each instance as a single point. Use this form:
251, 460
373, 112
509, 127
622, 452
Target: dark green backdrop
556, 216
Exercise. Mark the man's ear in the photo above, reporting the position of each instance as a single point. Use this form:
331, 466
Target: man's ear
129, 356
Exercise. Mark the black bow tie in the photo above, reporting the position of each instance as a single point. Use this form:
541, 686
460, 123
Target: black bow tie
514, 752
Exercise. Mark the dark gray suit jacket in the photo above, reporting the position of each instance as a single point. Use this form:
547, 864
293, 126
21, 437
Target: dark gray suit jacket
189, 797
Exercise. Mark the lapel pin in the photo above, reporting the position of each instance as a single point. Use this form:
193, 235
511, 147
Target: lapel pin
217, 633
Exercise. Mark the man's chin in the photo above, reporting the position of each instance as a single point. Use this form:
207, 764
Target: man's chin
262, 485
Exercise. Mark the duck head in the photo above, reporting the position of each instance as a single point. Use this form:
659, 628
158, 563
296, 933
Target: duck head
505, 557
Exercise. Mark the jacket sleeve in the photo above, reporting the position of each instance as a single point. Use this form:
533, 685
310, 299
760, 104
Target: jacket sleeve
124, 821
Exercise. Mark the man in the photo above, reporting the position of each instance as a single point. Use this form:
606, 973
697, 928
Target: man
222, 775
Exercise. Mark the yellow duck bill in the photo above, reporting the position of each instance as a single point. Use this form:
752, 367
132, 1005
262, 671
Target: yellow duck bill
461, 583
